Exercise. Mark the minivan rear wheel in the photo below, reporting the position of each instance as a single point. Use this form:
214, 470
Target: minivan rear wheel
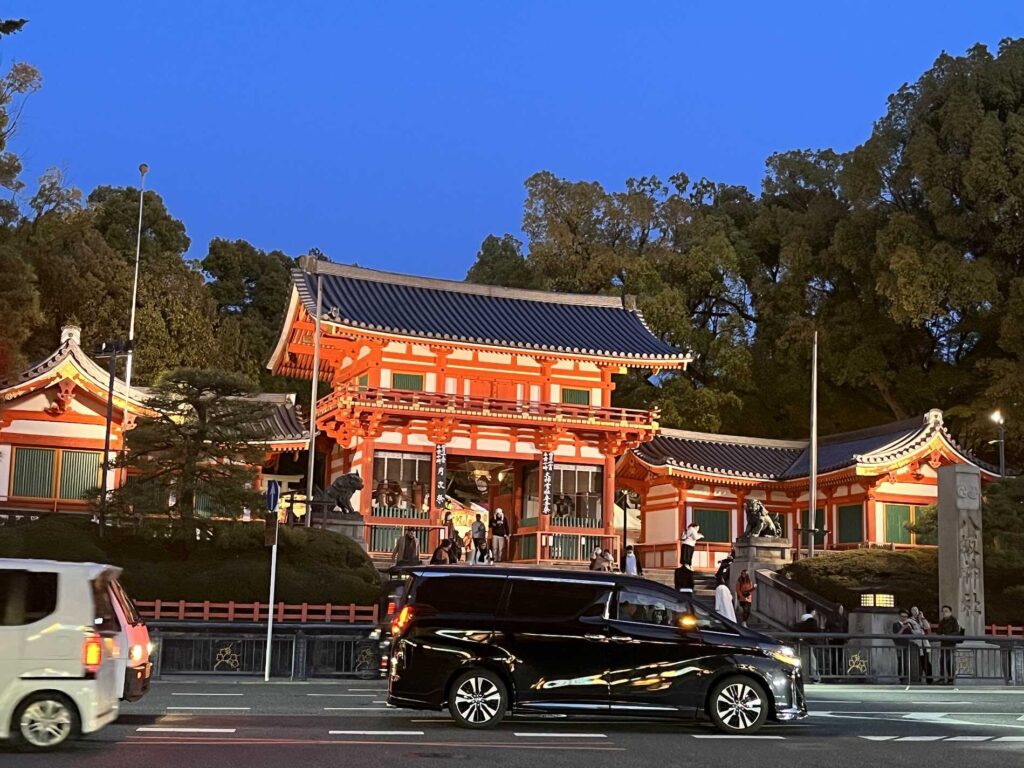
478, 699
738, 705
43, 721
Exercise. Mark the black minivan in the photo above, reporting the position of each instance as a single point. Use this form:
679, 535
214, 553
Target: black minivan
485, 641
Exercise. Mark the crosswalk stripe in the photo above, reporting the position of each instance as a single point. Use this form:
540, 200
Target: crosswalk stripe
561, 735
375, 733
158, 729
968, 738
1009, 738
920, 738
877, 738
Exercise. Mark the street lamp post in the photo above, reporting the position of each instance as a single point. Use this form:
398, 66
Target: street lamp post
1000, 420
110, 350
143, 170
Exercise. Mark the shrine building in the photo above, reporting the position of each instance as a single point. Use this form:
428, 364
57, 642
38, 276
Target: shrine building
53, 428
870, 486
445, 394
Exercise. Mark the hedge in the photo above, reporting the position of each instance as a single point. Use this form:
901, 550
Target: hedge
911, 575
231, 564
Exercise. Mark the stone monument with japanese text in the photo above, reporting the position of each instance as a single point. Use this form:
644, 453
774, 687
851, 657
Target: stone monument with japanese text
961, 571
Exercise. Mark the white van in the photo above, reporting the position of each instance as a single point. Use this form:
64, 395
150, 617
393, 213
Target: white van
60, 643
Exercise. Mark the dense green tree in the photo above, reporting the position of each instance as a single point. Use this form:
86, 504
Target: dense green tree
251, 289
500, 261
19, 308
176, 315
202, 442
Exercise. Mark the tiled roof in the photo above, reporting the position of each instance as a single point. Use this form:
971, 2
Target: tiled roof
447, 310
756, 458
284, 420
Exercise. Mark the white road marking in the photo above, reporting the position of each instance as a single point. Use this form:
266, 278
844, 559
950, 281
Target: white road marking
735, 736
920, 738
157, 729
207, 694
1009, 738
561, 735
826, 701
375, 733
345, 695
367, 690
968, 738
235, 709
878, 738
941, 702
357, 709
1021, 718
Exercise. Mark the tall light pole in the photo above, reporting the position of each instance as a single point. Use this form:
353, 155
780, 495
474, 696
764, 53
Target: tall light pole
1000, 420
143, 170
812, 493
313, 265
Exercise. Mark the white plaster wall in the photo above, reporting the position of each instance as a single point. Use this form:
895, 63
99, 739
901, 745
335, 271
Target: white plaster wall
57, 429
5, 469
430, 383
590, 452
485, 444
660, 526
909, 489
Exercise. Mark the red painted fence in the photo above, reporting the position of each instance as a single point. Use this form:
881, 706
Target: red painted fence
296, 613
1004, 630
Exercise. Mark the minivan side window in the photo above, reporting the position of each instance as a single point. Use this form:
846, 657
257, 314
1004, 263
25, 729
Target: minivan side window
556, 600
643, 607
127, 606
458, 594
26, 597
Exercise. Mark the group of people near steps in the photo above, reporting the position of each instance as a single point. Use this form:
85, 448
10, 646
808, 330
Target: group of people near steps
483, 543
726, 604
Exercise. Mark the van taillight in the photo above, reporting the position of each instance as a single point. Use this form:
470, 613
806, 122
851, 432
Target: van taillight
402, 620
391, 608
92, 653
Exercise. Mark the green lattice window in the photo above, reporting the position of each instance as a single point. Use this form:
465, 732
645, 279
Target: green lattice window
819, 527
363, 381
851, 524
897, 518
575, 396
79, 473
409, 381
714, 524
33, 473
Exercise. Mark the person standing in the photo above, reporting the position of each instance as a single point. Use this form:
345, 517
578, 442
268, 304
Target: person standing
467, 546
948, 627
455, 550
745, 595
443, 554
407, 550
903, 627
924, 647
723, 595
499, 535
838, 623
479, 532
690, 539
631, 563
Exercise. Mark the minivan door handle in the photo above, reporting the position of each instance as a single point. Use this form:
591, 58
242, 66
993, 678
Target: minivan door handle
596, 638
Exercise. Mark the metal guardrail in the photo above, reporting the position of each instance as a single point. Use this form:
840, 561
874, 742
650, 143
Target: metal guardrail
851, 658
297, 655
231, 611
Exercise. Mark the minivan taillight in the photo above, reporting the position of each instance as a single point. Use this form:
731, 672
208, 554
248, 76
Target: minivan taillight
92, 653
401, 621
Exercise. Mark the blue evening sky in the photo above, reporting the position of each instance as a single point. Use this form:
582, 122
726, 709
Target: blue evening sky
398, 134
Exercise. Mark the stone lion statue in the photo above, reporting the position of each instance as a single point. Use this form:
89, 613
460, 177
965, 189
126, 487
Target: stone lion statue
760, 522
339, 495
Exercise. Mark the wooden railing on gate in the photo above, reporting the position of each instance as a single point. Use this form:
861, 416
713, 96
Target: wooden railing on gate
295, 613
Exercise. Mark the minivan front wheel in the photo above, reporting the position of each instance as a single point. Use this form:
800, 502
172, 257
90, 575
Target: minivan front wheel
43, 721
738, 705
478, 699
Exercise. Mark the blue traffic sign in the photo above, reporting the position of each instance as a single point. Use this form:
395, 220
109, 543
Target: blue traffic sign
273, 495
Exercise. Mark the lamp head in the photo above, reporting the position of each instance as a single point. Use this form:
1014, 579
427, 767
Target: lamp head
997, 417
143, 169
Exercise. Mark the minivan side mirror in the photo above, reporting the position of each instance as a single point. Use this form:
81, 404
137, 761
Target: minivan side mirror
687, 623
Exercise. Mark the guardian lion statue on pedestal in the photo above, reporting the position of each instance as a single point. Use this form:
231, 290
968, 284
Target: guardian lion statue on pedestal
760, 522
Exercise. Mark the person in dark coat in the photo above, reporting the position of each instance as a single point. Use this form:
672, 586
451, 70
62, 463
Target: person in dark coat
443, 554
950, 627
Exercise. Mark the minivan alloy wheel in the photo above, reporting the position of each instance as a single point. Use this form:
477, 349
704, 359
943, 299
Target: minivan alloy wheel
46, 723
738, 705
478, 700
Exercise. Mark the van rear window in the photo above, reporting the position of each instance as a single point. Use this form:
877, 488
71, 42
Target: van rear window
458, 594
127, 606
106, 619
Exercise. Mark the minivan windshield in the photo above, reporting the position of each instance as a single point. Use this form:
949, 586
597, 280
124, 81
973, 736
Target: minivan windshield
127, 606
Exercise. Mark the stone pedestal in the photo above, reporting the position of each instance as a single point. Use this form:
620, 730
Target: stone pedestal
755, 553
961, 571
349, 525
872, 659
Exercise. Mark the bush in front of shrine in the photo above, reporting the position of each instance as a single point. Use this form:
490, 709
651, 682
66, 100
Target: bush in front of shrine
231, 563
911, 575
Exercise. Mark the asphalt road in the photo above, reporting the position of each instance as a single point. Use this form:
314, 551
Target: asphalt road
223, 724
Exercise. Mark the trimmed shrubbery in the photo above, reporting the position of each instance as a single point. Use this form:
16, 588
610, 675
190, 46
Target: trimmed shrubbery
911, 575
232, 564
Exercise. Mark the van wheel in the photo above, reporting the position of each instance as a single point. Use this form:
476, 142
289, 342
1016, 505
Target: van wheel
478, 699
43, 721
738, 705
